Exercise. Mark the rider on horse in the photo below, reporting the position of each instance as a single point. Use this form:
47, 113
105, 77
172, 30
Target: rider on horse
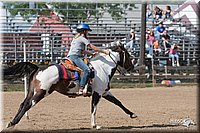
78, 50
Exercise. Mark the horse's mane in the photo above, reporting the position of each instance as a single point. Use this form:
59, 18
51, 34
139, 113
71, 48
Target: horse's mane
102, 58
98, 56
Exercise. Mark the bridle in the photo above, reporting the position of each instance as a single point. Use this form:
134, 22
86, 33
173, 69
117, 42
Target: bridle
123, 63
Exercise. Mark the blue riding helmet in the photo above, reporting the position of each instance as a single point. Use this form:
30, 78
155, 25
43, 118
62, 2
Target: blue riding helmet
82, 27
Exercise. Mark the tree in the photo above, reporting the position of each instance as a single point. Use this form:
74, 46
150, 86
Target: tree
70, 12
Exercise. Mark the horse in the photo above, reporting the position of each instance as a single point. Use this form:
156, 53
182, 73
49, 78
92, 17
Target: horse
42, 83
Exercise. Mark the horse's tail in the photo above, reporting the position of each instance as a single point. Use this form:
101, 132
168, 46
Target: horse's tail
20, 69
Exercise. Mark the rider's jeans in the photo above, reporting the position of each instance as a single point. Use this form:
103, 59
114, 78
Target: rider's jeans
80, 63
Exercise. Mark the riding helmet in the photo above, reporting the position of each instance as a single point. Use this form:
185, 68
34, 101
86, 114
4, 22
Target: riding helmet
82, 27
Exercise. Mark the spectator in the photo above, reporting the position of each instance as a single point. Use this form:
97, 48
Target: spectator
149, 55
151, 37
148, 47
168, 14
147, 30
149, 14
156, 47
157, 13
173, 54
159, 30
131, 44
166, 41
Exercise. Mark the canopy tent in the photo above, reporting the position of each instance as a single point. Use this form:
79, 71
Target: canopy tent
188, 13
52, 25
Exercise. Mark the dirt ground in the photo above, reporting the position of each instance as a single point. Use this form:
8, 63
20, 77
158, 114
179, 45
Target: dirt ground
155, 108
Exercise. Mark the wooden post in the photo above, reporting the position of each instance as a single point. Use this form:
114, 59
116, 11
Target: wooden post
142, 42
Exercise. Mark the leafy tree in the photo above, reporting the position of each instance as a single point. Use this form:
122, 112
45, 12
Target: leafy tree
23, 8
70, 12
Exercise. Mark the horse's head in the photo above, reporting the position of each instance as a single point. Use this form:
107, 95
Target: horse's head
124, 60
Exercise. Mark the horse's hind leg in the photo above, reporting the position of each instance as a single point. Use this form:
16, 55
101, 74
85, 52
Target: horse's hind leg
28, 97
26, 105
108, 96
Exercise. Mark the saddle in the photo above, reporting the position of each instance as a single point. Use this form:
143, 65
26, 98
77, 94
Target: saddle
69, 65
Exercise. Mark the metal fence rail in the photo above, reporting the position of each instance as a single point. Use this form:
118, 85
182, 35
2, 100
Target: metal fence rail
16, 32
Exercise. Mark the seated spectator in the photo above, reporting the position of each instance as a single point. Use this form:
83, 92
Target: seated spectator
173, 54
151, 37
159, 30
148, 48
149, 14
147, 30
157, 13
166, 41
156, 47
168, 14
131, 44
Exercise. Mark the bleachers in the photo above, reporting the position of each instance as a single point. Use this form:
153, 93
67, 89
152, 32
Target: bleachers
105, 31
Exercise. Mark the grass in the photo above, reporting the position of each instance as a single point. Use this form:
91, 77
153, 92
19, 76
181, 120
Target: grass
13, 87
117, 85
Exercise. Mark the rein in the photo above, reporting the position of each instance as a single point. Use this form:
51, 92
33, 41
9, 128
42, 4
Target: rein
117, 64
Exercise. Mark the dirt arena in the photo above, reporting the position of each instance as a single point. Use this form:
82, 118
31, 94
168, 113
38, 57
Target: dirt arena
155, 108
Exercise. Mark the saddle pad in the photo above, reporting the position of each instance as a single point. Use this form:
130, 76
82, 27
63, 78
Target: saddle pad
66, 74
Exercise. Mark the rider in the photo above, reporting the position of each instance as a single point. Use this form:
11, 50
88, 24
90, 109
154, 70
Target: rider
78, 50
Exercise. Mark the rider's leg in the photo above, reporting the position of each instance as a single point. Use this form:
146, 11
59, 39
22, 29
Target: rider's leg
86, 71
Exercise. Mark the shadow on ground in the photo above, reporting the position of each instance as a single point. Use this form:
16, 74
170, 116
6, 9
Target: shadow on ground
103, 129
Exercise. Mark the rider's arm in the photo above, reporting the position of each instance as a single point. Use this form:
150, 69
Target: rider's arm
98, 49
87, 52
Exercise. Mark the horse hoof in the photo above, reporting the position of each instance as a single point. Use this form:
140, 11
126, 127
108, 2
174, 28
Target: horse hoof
10, 125
97, 127
72, 96
94, 126
132, 115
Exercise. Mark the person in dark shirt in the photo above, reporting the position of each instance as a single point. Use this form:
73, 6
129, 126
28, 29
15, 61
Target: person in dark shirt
166, 41
131, 44
157, 13
168, 14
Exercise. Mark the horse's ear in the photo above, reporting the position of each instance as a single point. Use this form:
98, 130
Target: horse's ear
119, 43
121, 46
118, 47
113, 48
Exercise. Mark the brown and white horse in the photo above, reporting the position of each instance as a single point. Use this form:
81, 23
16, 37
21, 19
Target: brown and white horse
42, 83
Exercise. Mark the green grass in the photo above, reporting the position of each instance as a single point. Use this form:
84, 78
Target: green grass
117, 85
13, 87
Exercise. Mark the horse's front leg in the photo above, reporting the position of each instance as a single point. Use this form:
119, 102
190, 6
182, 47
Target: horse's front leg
95, 100
108, 96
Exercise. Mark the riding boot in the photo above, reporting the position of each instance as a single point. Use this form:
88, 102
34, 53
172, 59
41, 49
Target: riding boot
85, 91
80, 92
